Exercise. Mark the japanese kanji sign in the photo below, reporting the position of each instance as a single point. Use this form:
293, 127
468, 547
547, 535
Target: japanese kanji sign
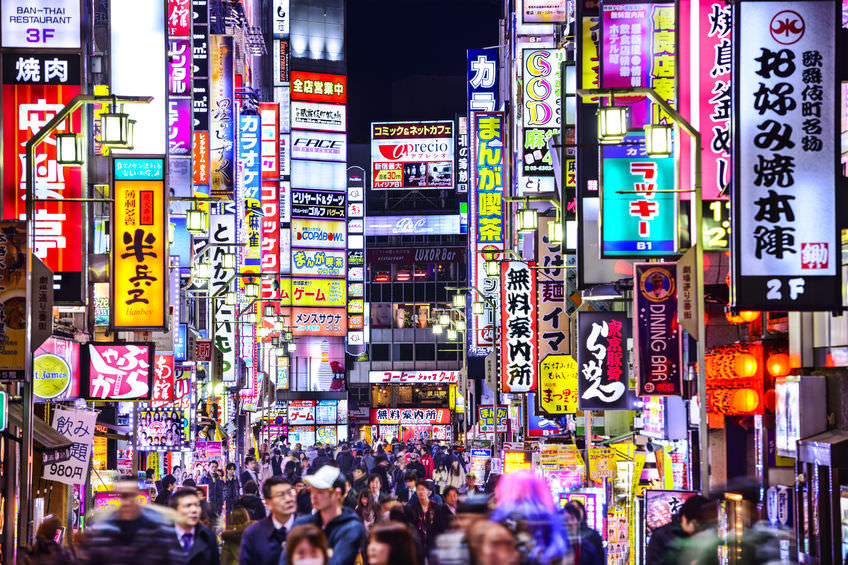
602, 360
410, 416
248, 186
221, 93
558, 385
317, 321
412, 155
636, 220
657, 334
519, 349
786, 251
118, 371
163, 378
434, 376
554, 308
139, 244
318, 87
486, 418
76, 426
222, 232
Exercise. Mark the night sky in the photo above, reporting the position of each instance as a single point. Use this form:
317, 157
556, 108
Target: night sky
406, 59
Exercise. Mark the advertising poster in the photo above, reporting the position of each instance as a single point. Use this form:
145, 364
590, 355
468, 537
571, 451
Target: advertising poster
558, 385
163, 378
121, 371
660, 508
56, 370
518, 336
318, 116
77, 426
35, 88
222, 232
412, 155
318, 87
314, 262
486, 419
160, 429
13, 298
139, 241
636, 219
786, 246
602, 360
656, 332
321, 234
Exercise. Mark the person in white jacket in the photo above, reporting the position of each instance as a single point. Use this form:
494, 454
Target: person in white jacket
455, 474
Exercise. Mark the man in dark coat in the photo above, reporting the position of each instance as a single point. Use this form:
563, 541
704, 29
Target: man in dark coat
251, 471
199, 544
216, 488
251, 501
264, 541
277, 463
426, 516
666, 541
345, 460
169, 483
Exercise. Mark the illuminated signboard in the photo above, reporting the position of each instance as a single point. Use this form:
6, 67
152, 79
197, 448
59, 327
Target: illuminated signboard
321, 234
486, 418
301, 412
483, 91
317, 116
786, 245
163, 378
45, 24
657, 336
318, 204
313, 292
56, 367
314, 262
410, 416
417, 155
409, 225
221, 97
139, 244
318, 321
319, 145
602, 358
518, 338
450, 377
118, 371
558, 385
222, 232
317, 87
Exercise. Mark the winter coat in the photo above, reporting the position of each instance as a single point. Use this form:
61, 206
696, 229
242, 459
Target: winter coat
46, 552
663, 540
428, 524
154, 541
216, 493
254, 506
204, 547
345, 535
232, 544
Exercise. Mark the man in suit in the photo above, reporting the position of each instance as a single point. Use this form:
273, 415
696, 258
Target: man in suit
251, 471
277, 463
264, 541
197, 541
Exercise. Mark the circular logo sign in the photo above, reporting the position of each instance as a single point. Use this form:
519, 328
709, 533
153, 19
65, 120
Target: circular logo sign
51, 376
787, 27
656, 284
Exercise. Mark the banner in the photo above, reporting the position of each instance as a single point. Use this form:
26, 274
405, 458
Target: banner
410, 416
602, 359
558, 385
486, 418
435, 376
519, 349
139, 244
318, 87
118, 371
318, 321
222, 233
656, 332
786, 246
76, 426
163, 378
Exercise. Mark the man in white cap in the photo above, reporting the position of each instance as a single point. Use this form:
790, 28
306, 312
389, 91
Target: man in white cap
345, 531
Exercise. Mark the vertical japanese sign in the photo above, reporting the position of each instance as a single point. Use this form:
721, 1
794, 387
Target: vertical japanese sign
221, 114
200, 96
519, 350
636, 219
77, 426
786, 250
250, 174
462, 157
639, 49
657, 334
487, 227
222, 233
179, 22
118, 371
602, 360
542, 88
35, 88
139, 244
270, 218
483, 88
553, 311
558, 385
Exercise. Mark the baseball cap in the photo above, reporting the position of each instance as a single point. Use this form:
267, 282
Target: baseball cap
323, 478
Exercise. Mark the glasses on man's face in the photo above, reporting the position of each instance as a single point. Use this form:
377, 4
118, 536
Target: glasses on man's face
284, 494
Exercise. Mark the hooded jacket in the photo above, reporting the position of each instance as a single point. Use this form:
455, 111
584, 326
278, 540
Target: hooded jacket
345, 535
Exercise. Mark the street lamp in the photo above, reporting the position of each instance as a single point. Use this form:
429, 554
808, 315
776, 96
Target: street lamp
202, 271
289, 336
292, 347
251, 290
197, 221
452, 334
528, 220
69, 149
269, 310
278, 326
444, 319
115, 127
493, 269
612, 123
459, 301
555, 231
230, 298
437, 329
459, 324
228, 261
658, 140
478, 307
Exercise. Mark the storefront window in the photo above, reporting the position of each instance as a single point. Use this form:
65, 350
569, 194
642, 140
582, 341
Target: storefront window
381, 396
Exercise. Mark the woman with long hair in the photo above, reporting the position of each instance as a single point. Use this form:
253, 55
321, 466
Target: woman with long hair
440, 476
366, 508
306, 545
455, 473
391, 543
237, 521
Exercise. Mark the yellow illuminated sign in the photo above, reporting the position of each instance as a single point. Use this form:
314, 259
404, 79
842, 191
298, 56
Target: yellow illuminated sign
313, 292
558, 385
139, 246
515, 460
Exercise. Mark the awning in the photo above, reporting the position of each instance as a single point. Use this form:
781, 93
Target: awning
54, 446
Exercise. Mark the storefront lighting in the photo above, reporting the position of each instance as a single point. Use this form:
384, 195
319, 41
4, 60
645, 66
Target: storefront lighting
658, 140
444, 319
493, 269
745, 365
276, 341
197, 222
229, 261
269, 310
263, 332
459, 325
202, 271
292, 347
230, 299
115, 128
69, 149
612, 124
478, 307
459, 301
452, 334
528, 220
749, 315
555, 232
437, 329
251, 290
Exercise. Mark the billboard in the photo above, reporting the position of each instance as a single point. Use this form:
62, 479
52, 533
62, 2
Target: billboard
56, 368
602, 360
313, 292
318, 145
786, 246
412, 155
221, 99
656, 332
483, 84
317, 321
318, 116
46, 24
320, 234
558, 385
413, 225
318, 87
416, 377
407, 416
222, 232
118, 371
519, 348
318, 204
139, 244
318, 263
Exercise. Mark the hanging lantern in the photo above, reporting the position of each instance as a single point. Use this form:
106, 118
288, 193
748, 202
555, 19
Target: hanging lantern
745, 401
734, 319
658, 140
493, 269
269, 310
444, 319
612, 124
777, 365
478, 307
528, 220
749, 315
452, 334
202, 271
555, 232
459, 325
230, 299
115, 126
292, 347
459, 301
437, 329
197, 222
745, 365
228, 261
69, 149
251, 290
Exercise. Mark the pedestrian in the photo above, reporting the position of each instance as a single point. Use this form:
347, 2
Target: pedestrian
277, 462
366, 509
251, 471
47, 549
584, 551
587, 533
440, 476
375, 486
215, 488
130, 535
199, 544
232, 488
345, 460
470, 487
451, 497
251, 501
169, 483
415, 465
427, 461
390, 544
425, 516
345, 532
667, 541
455, 472
304, 500
406, 490
237, 523
263, 541
306, 545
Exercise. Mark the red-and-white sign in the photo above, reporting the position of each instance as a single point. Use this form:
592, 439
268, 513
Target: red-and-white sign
518, 336
301, 412
163, 378
200, 165
270, 227
410, 416
119, 371
450, 377
203, 350
269, 115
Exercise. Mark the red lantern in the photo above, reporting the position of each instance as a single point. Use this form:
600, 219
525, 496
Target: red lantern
749, 315
778, 365
745, 365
